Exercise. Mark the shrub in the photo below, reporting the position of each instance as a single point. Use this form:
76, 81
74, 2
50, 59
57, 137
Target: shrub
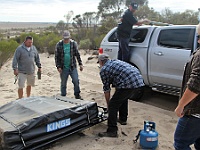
52, 45
85, 44
7, 49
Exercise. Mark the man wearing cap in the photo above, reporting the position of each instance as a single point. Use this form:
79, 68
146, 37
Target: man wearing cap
66, 54
187, 130
124, 31
125, 78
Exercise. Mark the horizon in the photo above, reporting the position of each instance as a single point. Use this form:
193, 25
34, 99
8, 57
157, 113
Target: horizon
24, 22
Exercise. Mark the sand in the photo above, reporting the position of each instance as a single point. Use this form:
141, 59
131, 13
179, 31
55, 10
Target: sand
91, 89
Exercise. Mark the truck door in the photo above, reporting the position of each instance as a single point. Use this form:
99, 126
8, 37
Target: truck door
170, 50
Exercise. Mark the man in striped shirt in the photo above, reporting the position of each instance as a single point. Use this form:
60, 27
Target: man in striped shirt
125, 78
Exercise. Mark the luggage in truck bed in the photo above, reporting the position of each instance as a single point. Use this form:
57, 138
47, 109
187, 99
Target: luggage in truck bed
30, 123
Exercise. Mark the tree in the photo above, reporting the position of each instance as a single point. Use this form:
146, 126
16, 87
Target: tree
61, 26
107, 24
78, 23
146, 12
88, 19
115, 8
187, 17
107, 7
139, 2
166, 14
68, 18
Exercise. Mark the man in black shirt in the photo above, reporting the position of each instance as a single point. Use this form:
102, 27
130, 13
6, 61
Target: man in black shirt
124, 31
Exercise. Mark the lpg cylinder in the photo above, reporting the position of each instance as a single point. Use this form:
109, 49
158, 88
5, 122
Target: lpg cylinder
149, 136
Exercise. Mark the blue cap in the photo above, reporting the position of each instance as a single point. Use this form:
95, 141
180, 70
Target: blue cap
134, 5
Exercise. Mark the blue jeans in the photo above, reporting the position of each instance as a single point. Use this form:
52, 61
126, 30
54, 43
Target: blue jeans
124, 50
64, 77
187, 133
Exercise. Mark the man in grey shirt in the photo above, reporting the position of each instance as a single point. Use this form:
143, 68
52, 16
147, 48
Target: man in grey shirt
23, 65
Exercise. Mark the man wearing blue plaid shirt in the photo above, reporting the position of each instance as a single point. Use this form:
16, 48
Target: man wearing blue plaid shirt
125, 78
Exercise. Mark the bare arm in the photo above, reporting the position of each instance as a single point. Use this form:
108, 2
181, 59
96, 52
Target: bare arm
143, 21
107, 97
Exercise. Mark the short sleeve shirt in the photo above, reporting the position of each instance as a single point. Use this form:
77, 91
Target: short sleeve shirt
125, 27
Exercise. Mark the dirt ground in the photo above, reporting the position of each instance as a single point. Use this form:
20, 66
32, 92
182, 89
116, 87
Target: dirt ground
154, 107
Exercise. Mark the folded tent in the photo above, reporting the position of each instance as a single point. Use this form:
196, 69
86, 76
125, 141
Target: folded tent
37, 121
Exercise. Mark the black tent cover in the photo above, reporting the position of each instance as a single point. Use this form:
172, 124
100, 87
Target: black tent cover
30, 123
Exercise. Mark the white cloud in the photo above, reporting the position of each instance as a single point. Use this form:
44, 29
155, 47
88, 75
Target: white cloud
54, 10
43, 11
174, 5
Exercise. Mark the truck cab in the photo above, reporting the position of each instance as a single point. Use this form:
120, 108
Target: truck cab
159, 52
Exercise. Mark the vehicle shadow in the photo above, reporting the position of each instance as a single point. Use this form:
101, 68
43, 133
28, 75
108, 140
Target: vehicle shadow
161, 100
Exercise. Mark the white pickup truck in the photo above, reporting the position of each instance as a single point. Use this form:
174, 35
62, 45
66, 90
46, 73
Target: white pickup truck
159, 52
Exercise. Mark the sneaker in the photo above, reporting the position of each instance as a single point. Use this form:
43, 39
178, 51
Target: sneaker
122, 122
78, 97
108, 134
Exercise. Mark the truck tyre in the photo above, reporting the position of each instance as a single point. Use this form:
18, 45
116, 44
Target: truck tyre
137, 94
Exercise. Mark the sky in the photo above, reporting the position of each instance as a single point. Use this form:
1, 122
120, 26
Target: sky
54, 10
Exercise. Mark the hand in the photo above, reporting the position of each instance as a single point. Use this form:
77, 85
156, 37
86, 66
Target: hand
147, 21
39, 70
179, 111
81, 67
105, 110
16, 72
59, 70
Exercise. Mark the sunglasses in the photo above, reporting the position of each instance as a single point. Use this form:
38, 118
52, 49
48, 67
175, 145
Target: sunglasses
198, 37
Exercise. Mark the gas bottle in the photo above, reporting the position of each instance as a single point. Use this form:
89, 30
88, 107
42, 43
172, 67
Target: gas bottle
149, 136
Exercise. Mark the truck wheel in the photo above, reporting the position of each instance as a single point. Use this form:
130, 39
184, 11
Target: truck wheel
137, 94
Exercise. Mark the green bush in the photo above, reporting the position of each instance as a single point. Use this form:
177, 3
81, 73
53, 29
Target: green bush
85, 44
7, 49
36, 40
98, 40
52, 45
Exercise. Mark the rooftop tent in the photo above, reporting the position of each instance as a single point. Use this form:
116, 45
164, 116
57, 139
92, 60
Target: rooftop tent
37, 121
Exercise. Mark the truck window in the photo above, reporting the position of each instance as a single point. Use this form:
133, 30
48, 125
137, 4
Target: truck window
113, 37
177, 38
138, 35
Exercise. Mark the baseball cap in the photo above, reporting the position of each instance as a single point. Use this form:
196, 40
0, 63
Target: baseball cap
103, 57
134, 5
66, 34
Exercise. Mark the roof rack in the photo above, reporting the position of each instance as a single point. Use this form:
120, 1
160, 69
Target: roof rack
159, 23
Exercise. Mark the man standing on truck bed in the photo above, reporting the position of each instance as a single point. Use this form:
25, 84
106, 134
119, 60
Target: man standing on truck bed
124, 31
